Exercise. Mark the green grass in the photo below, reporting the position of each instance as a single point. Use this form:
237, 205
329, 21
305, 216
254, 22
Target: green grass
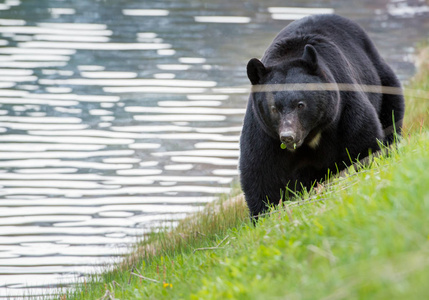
368, 239
364, 236
417, 95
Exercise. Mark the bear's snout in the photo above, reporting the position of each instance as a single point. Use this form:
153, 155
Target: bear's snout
287, 137
290, 139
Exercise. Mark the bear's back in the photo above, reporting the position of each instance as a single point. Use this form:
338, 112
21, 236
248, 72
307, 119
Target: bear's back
328, 32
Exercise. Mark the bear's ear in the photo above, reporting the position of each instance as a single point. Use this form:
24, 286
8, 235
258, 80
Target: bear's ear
310, 56
255, 70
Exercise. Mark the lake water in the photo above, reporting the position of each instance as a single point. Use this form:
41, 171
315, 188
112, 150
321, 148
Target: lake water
118, 116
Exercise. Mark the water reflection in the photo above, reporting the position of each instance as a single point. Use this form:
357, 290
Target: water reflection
112, 123
145, 12
295, 13
222, 19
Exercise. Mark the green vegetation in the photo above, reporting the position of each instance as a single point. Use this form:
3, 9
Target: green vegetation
363, 236
417, 96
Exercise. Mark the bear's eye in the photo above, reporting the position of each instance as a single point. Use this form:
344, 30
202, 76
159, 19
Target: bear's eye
301, 105
274, 109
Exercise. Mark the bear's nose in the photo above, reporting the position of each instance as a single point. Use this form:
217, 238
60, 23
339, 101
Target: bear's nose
287, 137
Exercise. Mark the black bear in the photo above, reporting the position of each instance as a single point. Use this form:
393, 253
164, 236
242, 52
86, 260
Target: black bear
322, 98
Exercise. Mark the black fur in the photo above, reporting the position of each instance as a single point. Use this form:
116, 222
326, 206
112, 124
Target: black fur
316, 49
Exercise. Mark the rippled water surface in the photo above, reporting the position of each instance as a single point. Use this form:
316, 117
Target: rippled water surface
117, 116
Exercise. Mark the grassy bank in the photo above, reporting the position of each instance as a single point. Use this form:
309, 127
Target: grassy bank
358, 237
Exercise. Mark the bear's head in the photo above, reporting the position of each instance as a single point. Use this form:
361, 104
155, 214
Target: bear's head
294, 101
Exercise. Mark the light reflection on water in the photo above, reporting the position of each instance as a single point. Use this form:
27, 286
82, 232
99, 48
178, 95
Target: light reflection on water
112, 123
